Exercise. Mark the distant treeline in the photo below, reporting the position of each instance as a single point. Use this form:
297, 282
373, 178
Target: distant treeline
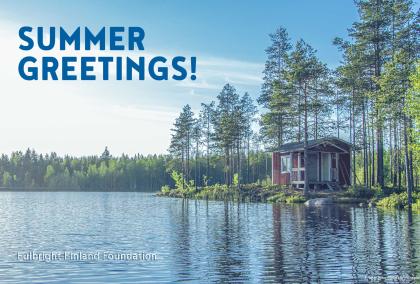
30, 170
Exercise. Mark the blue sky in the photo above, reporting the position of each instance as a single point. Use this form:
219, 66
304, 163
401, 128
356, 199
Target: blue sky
222, 28
228, 38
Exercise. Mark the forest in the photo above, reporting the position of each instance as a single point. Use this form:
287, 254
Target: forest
33, 171
371, 100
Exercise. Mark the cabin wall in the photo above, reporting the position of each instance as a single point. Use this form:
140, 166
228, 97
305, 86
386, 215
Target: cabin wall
275, 166
295, 160
277, 177
344, 169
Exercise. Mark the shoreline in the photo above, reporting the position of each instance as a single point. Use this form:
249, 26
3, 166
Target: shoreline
260, 195
275, 194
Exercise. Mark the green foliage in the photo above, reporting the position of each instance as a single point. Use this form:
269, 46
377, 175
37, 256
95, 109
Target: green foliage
287, 197
181, 185
413, 109
178, 179
398, 200
33, 170
266, 182
279, 197
416, 205
7, 179
218, 192
235, 179
395, 200
295, 199
165, 189
246, 193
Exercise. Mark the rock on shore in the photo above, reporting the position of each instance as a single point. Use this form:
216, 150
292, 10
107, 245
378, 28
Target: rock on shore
319, 201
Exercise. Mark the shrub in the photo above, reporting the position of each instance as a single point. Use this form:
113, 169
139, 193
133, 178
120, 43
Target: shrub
287, 197
295, 199
395, 200
279, 197
165, 189
399, 200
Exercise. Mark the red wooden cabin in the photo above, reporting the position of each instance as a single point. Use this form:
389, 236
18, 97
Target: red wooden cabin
328, 164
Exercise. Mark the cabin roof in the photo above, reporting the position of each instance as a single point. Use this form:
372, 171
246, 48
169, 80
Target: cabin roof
299, 146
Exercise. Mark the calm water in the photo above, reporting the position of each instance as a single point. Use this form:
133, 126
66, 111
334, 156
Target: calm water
200, 241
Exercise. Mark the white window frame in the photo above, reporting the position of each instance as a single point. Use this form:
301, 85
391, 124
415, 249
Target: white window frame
288, 164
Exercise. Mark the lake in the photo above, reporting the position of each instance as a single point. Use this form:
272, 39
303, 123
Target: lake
130, 237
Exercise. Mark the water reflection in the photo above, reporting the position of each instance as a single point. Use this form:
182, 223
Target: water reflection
205, 241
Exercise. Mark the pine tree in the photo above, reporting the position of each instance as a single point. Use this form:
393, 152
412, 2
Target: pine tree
205, 120
275, 93
181, 140
305, 70
225, 126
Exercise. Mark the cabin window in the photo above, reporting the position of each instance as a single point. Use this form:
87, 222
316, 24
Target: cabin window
285, 164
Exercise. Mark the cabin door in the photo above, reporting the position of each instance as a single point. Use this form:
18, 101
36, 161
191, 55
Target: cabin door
325, 166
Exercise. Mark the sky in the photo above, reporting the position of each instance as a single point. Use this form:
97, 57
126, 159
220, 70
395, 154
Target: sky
82, 117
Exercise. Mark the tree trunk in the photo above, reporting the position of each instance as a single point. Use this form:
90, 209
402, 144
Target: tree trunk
379, 127
408, 169
372, 176
247, 160
337, 116
305, 143
299, 119
365, 153
196, 167
395, 155
380, 155
238, 146
354, 140
208, 149
188, 158
183, 168
400, 157
227, 165
391, 151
